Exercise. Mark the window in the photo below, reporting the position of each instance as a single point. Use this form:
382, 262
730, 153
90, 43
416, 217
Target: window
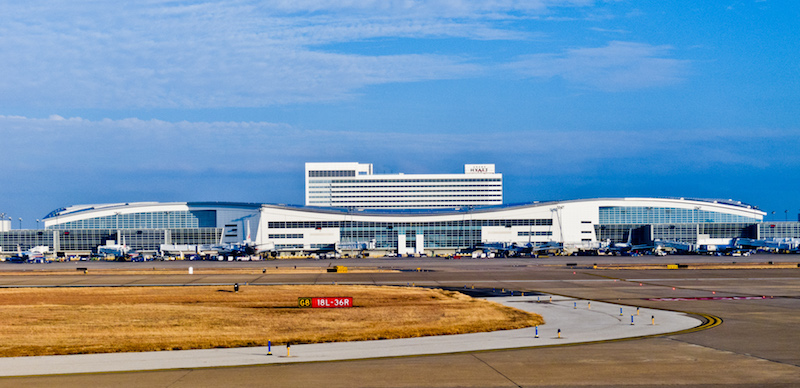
318, 174
660, 215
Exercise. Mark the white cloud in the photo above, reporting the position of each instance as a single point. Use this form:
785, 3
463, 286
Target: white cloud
610, 31
617, 66
440, 8
164, 54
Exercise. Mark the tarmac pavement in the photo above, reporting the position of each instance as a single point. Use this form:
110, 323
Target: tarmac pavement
756, 346
578, 321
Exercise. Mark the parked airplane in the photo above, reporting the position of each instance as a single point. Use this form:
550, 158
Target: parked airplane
787, 245
734, 246
244, 248
668, 246
625, 249
550, 247
502, 249
33, 255
114, 248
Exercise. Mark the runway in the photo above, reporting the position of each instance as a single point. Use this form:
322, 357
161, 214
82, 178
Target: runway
756, 344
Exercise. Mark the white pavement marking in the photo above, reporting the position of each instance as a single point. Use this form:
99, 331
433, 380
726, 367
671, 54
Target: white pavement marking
581, 324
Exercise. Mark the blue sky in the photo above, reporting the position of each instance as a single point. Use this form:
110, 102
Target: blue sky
225, 101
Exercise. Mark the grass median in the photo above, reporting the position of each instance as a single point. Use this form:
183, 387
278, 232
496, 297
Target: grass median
48, 321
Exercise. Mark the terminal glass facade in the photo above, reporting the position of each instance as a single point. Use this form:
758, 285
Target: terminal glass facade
88, 239
685, 233
615, 215
25, 239
146, 220
779, 229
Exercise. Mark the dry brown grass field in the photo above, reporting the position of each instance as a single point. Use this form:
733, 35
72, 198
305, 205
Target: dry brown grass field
46, 321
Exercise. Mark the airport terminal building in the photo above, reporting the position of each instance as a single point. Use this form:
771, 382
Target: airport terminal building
297, 230
142, 226
351, 209
577, 224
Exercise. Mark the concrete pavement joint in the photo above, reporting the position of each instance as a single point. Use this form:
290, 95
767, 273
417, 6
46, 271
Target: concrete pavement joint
186, 372
732, 352
648, 282
496, 371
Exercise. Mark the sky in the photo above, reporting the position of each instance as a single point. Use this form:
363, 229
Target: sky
106, 102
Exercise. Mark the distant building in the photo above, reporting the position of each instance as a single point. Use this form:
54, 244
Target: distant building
355, 186
437, 214
576, 225
142, 226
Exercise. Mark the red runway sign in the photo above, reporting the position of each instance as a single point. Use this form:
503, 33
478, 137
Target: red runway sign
326, 302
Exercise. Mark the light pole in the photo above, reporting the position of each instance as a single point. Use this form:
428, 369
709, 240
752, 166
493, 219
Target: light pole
20, 223
37, 223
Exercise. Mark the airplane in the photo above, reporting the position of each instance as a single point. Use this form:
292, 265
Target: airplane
558, 248
243, 248
502, 249
662, 247
326, 254
625, 249
787, 245
114, 250
550, 247
234, 249
519, 250
246, 248
33, 255
491, 249
361, 247
119, 251
735, 247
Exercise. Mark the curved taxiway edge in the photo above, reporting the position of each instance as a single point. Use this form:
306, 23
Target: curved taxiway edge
568, 321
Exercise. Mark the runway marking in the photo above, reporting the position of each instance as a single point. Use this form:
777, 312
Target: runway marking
608, 278
711, 321
707, 298
704, 279
730, 351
